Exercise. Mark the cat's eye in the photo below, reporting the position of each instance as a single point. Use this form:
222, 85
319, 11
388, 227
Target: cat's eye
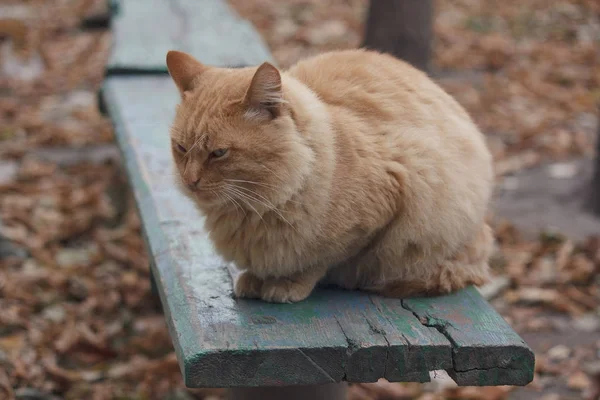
218, 153
181, 148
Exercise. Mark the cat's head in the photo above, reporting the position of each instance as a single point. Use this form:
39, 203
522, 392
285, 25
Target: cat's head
234, 139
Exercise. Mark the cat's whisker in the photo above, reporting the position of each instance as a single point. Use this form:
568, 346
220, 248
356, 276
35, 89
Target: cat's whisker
200, 139
251, 182
228, 200
219, 197
177, 130
236, 190
270, 186
273, 172
247, 196
245, 201
265, 203
280, 178
258, 183
234, 202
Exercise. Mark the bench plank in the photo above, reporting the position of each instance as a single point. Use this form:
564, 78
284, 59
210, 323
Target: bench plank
335, 335
486, 351
144, 30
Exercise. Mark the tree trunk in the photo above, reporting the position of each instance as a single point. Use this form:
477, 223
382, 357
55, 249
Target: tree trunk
595, 197
402, 28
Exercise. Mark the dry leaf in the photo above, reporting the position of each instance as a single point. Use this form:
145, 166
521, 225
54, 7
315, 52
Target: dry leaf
579, 381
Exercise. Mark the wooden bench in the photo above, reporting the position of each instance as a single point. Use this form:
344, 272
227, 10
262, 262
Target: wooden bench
334, 336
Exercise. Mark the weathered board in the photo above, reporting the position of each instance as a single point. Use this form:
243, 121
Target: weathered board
332, 336
484, 346
144, 30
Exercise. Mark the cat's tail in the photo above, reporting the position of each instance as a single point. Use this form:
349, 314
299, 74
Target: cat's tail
468, 267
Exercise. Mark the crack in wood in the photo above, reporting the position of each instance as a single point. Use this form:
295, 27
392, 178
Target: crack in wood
441, 328
352, 346
485, 369
382, 333
440, 325
349, 350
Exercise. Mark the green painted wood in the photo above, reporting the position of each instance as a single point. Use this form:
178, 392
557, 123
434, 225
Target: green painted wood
144, 30
224, 342
426, 351
486, 351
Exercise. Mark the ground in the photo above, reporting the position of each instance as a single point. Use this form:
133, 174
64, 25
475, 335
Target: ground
77, 318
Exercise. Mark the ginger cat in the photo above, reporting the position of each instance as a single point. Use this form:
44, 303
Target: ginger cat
351, 168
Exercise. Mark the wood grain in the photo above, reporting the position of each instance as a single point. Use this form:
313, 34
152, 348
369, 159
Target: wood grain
333, 336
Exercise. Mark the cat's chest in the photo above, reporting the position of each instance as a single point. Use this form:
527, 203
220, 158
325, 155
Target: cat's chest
258, 242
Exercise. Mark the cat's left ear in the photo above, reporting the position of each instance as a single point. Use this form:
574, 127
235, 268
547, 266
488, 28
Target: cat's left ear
264, 97
184, 69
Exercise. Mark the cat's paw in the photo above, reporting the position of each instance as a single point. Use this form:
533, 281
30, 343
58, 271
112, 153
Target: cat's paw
248, 286
284, 290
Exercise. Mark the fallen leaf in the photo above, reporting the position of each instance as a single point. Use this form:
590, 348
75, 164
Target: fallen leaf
559, 353
579, 381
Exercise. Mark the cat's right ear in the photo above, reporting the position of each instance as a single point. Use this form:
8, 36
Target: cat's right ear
184, 69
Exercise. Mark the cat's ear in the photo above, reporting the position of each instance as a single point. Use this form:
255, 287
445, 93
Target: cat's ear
264, 97
183, 69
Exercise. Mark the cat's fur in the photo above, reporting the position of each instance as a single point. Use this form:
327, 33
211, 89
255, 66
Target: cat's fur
351, 167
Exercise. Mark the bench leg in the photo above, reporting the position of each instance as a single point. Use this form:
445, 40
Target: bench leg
333, 391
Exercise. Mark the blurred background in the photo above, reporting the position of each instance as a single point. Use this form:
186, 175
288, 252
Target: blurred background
77, 319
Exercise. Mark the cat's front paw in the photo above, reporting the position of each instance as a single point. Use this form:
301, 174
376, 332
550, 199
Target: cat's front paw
247, 285
284, 290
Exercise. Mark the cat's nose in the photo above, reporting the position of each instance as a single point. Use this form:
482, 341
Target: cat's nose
193, 184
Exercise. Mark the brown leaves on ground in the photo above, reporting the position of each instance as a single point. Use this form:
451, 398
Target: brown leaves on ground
77, 319
539, 70
78, 312
49, 75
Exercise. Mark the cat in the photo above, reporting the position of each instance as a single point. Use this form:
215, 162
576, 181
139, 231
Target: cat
350, 168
